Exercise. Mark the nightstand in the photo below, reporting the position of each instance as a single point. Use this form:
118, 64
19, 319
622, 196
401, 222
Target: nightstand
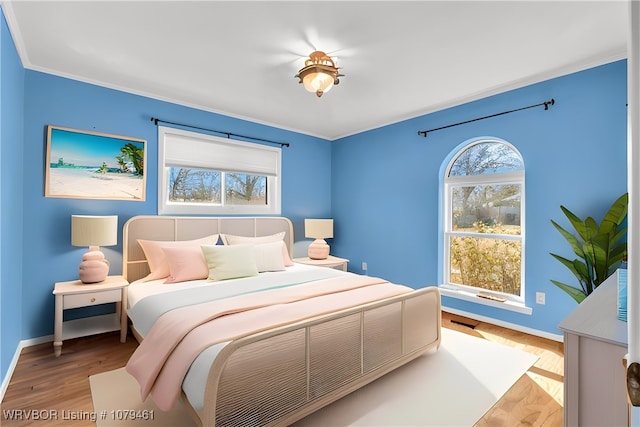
331, 262
76, 294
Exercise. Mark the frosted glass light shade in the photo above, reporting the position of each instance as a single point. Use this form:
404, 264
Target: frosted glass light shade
91, 230
318, 82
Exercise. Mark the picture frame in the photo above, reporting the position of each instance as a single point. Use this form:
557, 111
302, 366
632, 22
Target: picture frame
94, 165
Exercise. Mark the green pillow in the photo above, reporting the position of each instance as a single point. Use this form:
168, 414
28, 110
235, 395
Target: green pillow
230, 262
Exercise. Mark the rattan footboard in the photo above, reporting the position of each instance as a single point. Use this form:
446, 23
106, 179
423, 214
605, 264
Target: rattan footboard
277, 377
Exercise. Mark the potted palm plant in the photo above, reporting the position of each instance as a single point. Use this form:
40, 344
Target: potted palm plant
600, 248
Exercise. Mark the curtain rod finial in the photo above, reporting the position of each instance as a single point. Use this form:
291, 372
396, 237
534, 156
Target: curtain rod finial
548, 103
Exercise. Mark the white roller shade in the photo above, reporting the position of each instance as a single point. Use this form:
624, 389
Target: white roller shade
187, 149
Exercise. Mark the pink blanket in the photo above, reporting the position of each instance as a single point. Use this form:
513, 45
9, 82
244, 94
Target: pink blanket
162, 360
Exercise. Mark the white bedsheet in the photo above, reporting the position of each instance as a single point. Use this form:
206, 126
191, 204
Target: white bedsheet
195, 381
138, 290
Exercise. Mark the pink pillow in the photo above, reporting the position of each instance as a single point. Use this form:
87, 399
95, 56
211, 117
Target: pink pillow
285, 255
155, 256
185, 263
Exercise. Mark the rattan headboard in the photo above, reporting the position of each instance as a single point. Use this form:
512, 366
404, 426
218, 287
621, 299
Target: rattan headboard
134, 263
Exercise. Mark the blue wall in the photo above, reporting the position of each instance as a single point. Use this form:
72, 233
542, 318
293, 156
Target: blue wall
64, 102
387, 183
11, 153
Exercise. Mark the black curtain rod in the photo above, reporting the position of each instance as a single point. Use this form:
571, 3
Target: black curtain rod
546, 107
228, 134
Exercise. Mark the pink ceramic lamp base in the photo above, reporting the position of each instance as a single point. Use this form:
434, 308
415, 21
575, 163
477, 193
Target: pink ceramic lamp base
94, 267
318, 249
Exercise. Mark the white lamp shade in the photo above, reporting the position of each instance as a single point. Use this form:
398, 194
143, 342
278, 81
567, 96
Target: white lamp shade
91, 230
318, 228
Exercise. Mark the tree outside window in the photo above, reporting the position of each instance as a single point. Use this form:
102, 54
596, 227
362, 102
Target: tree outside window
193, 185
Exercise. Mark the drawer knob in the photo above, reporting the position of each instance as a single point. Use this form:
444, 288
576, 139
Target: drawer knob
93, 299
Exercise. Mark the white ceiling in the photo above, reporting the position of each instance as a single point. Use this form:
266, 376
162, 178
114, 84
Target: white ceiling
400, 59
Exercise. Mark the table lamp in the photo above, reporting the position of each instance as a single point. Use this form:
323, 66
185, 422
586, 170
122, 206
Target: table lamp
318, 229
94, 231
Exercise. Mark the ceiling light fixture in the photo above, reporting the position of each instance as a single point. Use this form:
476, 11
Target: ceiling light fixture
319, 73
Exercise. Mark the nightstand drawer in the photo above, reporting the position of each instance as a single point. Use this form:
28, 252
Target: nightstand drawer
92, 298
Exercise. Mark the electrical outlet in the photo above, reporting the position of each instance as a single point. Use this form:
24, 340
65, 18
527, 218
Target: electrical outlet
364, 266
540, 298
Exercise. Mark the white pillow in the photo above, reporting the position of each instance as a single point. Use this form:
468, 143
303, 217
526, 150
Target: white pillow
269, 256
230, 239
230, 262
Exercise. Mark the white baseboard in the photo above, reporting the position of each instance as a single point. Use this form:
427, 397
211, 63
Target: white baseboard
519, 328
14, 361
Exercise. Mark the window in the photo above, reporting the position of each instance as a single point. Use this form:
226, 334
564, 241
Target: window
204, 174
483, 220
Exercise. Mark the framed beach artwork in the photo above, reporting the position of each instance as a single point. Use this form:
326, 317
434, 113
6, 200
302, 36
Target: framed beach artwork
93, 165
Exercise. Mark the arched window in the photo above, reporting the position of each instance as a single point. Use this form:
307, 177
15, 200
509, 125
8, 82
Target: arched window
483, 221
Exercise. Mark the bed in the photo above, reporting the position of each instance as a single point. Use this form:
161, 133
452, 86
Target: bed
325, 333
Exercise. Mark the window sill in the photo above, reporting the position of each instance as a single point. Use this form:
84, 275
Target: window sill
468, 296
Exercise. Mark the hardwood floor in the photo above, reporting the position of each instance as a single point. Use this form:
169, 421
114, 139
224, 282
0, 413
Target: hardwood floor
535, 399
57, 389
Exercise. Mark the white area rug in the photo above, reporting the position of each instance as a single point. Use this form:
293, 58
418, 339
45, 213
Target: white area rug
454, 386
116, 402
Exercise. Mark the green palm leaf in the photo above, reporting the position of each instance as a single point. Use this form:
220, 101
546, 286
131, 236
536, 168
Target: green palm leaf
597, 248
576, 294
616, 213
575, 244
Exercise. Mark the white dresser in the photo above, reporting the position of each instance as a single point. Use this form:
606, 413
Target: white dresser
595, 343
